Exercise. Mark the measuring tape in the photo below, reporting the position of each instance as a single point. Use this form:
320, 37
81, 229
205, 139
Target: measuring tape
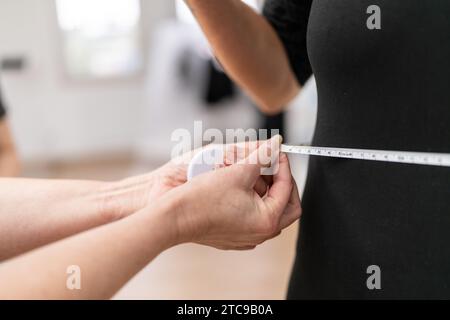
199, 165
420, 158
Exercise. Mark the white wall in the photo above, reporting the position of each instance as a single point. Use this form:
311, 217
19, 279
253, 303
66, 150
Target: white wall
53, 117
175, 103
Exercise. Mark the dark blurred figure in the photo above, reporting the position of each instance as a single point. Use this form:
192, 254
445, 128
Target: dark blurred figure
9, 162
274, 122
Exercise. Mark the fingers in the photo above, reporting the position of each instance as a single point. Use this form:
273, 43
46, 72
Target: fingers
261, 187
281, 189
293, 209
239, 151
262, 157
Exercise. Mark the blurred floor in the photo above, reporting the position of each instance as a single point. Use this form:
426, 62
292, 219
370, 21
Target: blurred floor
190, 271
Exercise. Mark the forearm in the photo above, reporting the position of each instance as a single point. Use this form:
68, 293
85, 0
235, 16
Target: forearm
107, 257
249, 50
37, 212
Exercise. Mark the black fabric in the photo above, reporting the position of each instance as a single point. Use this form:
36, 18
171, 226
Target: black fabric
290, 20
2, 108
219, 86
378, 89
273, 122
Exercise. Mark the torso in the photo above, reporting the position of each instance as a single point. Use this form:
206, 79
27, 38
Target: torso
378, 89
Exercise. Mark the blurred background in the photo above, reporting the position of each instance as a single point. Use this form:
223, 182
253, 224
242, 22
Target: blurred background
94, 90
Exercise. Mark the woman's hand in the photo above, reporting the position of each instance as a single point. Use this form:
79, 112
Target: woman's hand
222, 209
132, 194
174, 173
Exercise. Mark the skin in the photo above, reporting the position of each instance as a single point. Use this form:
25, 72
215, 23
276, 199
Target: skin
9, 162
242, 210
249, 50
34, 213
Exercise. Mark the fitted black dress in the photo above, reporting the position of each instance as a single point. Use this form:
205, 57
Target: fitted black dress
378, 89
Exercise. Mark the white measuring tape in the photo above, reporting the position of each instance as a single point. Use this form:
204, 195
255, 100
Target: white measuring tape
199, 166
420, 158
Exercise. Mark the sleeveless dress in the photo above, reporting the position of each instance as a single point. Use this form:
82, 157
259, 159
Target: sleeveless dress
387, 89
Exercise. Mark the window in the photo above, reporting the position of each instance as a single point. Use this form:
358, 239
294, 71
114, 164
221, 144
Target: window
101, 38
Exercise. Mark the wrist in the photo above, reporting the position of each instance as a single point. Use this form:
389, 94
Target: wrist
120, 199
165, 215
176, 202
178, 215
185, 214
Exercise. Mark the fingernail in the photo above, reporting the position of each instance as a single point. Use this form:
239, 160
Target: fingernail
278, 138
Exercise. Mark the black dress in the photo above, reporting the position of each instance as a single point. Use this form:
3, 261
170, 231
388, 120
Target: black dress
389, 89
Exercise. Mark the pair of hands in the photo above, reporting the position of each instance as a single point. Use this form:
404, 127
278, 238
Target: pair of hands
234, 207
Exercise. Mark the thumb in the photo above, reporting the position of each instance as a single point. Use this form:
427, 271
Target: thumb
251, 167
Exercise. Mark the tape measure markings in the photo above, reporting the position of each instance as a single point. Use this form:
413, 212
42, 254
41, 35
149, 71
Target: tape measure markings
408, 157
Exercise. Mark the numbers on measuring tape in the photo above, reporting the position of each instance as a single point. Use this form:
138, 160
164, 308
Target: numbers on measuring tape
418, 158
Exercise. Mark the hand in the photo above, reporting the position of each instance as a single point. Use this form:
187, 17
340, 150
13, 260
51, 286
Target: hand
222, 209
174, 173
132, 194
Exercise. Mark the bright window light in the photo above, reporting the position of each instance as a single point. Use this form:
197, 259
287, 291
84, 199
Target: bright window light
101, 38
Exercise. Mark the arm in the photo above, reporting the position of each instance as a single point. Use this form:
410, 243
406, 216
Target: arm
36, 212
232, 216
250, 51
107, 257
9, 162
